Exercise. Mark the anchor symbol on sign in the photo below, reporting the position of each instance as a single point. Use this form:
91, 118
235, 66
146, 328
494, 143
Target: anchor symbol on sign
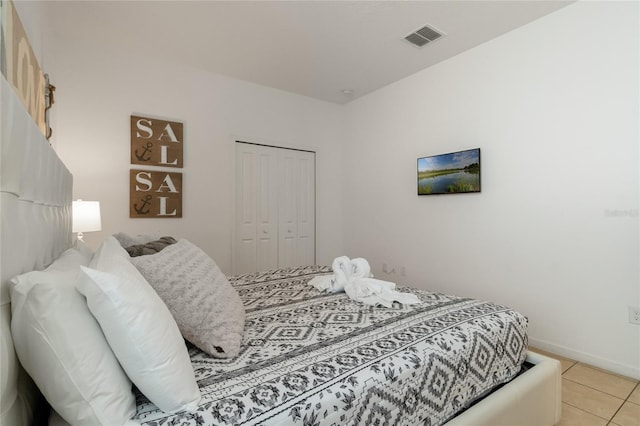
145, 202
147, 148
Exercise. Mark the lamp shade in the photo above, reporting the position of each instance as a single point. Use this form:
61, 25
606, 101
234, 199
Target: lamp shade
86, 216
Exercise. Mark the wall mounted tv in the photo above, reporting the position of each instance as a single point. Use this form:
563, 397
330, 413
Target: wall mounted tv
453, 173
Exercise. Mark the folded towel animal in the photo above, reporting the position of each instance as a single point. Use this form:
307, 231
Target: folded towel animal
344, 270
325, 283
354, 278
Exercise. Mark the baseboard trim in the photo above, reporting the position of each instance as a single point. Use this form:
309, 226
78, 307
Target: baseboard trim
627, 370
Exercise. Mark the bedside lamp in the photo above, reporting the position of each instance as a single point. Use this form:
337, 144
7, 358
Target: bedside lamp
86, 217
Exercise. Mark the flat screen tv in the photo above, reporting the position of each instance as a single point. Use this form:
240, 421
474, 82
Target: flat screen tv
453, 173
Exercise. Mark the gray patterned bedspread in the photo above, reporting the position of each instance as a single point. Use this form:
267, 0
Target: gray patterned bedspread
310, 358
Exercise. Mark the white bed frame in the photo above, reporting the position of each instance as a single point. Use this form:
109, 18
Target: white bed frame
35, 201
532, 399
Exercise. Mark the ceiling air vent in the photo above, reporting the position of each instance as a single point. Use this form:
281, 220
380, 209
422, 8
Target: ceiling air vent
423, 36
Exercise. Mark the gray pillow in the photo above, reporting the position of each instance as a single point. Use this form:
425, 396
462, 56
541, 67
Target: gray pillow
207, 309
152, 247
127, 240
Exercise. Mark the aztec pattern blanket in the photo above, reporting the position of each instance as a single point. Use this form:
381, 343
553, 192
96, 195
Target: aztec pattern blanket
311, 358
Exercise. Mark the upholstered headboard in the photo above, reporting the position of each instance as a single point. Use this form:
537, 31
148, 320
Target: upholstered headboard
35, 206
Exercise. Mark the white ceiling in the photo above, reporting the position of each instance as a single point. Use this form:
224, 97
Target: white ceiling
313, 48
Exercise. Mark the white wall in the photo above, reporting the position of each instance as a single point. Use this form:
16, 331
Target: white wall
100, 84
554, 108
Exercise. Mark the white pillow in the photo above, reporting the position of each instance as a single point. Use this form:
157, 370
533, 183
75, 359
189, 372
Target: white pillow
207, 309
139, 329
62, 347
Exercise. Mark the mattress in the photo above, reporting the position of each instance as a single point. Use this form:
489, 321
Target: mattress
317, 358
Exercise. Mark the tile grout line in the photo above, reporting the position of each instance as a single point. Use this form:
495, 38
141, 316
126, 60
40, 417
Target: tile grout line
624, 401
609, 422
572, 365
589, 387
597, 390
614, 414
633, 390
588, 412
623, 404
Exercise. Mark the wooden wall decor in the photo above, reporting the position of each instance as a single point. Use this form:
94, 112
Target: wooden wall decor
19, 65
156, 142
155, 194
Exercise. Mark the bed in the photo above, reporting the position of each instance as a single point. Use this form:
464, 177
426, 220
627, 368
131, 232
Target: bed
320, 358
306, 357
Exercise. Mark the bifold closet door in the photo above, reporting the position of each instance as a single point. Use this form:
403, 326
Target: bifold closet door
275, 208
256, 245
296, 213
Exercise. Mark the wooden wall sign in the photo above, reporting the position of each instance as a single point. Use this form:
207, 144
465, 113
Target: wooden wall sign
19, 65
156, 142
155, 194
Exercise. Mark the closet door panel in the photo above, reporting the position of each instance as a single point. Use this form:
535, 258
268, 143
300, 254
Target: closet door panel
288, 210
306, 209
245, 259
267, 196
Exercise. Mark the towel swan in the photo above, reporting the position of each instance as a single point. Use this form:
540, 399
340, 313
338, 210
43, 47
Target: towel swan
353, 276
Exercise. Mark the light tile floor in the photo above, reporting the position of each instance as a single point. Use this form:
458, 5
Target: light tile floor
594, 397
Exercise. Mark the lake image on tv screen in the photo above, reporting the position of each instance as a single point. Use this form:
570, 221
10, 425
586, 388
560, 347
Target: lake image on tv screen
449, 173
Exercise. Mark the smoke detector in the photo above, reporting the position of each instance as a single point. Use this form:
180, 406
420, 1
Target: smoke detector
424, 36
